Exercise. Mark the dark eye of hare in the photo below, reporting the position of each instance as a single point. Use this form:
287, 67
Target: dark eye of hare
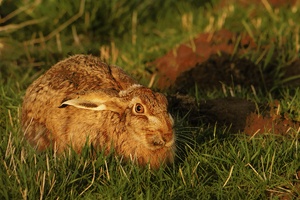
139, 108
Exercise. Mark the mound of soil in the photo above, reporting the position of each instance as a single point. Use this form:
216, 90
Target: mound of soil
231, 112
219, 70
189, 55
210, 62
238, 114
270, 121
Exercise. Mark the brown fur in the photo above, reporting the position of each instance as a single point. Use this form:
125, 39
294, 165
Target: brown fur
82, 98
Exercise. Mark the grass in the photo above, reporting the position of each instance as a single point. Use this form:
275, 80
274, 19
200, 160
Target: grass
212, 163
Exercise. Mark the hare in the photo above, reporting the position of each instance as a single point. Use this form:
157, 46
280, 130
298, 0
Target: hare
81, 100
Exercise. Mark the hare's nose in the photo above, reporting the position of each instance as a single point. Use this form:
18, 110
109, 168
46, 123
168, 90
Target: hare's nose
158, 141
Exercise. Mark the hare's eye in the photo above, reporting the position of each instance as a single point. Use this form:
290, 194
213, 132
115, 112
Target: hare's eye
139, 108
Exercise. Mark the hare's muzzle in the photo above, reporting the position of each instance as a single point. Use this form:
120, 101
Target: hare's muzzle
159, 140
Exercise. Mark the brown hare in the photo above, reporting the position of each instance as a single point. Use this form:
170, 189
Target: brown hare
81, 99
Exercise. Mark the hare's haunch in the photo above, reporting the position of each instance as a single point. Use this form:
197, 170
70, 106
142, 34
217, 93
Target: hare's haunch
82, 99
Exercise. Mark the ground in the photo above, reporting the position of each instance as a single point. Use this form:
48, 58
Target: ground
215, 60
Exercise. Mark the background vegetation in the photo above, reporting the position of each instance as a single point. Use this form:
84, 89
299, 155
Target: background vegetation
212, 163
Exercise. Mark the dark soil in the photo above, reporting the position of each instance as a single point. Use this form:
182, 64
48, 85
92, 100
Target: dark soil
239, 114
219, 70
231, 112
185, 57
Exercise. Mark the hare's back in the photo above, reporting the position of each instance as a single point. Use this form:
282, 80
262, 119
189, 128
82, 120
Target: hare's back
76, 74
80, 72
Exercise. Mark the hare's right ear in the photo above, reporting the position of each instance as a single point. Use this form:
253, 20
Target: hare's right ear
98, 101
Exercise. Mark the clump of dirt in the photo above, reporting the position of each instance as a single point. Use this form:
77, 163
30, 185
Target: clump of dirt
233, 71
215, 58
188, 55
218, 70
239, 114
231, 112
271, 122
258, 124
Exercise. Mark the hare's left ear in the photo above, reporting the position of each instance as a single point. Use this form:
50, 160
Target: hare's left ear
98, 101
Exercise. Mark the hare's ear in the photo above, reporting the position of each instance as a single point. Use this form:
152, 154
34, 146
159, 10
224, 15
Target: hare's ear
96, 101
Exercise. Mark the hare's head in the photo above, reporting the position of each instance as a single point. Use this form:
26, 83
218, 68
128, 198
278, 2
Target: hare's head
142, 112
